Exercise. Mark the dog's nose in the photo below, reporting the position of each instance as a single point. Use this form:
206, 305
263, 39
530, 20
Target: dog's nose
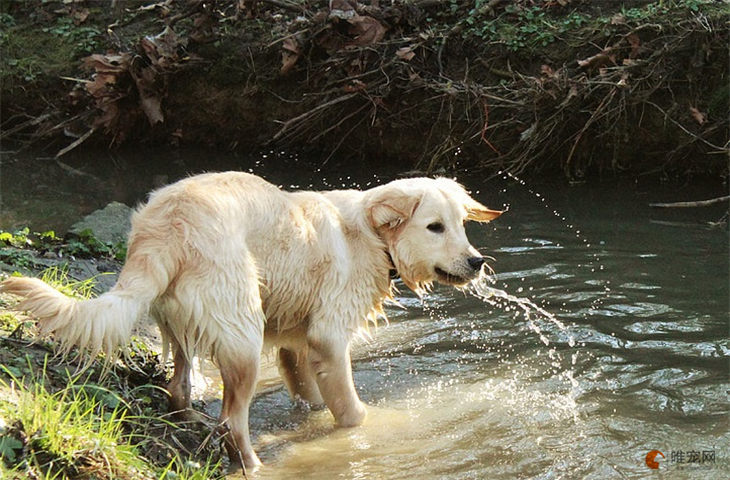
476, 262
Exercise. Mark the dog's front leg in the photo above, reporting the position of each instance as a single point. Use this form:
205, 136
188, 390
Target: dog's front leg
329, 359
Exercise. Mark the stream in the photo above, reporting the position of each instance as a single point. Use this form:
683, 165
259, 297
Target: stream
602, 336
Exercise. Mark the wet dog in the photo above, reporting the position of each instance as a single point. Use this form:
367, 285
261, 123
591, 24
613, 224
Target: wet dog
226, 262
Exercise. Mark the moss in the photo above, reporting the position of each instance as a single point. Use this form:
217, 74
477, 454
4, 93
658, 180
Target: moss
29, 56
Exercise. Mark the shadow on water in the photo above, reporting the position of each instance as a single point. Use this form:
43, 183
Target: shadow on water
604, 335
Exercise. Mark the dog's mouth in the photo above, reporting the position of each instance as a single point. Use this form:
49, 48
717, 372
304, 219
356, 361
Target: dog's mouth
449, 278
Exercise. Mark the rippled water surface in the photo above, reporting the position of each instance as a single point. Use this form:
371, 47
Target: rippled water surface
629, 354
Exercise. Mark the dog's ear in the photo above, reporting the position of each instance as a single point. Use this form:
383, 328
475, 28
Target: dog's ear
391, 207
477, 212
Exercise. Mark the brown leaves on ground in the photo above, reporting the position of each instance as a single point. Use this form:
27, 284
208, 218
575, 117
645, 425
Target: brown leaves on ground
123, 85
290, 52
405, 53
362, 29
699, 117
109, 84
365, 30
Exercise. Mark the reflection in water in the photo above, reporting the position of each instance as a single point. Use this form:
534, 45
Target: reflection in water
604, 336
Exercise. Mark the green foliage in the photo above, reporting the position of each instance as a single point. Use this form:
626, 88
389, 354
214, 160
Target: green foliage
84, 38
18, 239
31, 54
86, 244
652, 10
8, 448
83, 430
523, 26
15, 246
18, 258
8, 321
77, 432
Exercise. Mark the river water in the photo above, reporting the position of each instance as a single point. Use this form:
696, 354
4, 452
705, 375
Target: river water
603, 335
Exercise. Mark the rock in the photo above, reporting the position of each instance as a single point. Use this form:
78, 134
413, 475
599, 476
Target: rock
111, 224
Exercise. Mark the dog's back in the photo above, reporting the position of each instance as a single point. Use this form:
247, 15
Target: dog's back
223, 260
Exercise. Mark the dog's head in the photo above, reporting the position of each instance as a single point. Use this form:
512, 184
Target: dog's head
422, 222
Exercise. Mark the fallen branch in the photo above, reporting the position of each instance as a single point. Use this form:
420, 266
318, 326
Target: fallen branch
698, 203
33, 122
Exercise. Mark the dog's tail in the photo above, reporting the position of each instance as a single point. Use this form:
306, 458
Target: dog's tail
102, 323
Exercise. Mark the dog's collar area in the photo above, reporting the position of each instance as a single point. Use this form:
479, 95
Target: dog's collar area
392, 272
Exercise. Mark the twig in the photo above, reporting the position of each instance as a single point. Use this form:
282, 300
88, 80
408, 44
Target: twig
693, 135
32, 122
285, 5
299, 118
486, 126
76, 143
192, 9
698, 203
593, 118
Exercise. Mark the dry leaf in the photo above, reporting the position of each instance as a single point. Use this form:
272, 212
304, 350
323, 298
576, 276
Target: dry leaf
598, 60
618, 19
162, 49
366, 30
290, 52
624, 82
405, 53
548, 71
152, 107
700, 117
149, 95
343, 9
80, 16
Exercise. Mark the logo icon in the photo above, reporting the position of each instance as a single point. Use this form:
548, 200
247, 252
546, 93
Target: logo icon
651, 459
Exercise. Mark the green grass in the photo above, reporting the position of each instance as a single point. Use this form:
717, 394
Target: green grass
59, 279
83, 430
66, 434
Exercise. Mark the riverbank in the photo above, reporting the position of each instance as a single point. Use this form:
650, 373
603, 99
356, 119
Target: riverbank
63, 417
567, 87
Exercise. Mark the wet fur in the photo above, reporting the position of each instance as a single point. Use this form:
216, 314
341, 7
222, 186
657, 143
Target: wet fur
226, 262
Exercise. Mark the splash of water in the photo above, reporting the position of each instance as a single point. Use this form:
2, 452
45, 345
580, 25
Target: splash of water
533, 313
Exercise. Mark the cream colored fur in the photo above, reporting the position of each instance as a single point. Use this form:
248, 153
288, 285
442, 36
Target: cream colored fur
225, 262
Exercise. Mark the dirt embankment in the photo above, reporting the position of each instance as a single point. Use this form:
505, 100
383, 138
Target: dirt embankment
580, 87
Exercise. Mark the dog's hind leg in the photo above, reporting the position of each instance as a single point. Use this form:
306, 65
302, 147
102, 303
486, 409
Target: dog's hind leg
180, 386
239, 370
298, 376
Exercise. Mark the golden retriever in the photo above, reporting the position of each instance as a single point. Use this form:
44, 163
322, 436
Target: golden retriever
225, 262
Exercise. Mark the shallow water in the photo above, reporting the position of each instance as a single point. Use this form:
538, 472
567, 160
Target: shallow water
632, 355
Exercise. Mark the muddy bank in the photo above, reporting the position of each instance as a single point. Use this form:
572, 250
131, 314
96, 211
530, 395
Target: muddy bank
576, 87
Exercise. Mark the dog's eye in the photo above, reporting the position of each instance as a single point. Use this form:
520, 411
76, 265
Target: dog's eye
436, 227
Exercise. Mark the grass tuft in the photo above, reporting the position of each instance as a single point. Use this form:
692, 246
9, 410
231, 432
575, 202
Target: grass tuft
67, 434
59, 279
86, 430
